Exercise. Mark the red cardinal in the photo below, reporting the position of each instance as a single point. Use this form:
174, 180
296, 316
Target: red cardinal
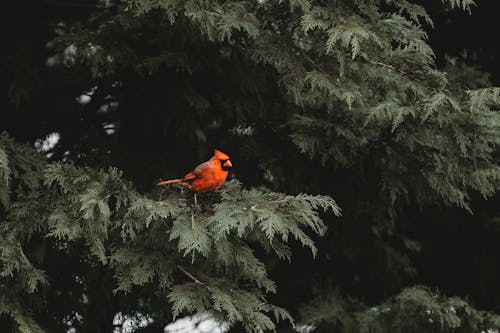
207, 176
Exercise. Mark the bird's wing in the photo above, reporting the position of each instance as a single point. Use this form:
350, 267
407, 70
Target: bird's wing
198, 172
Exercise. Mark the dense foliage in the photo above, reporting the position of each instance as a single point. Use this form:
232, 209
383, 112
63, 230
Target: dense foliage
342, 100
64, 210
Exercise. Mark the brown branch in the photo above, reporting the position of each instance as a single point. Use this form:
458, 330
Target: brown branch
381, 64
192, 277
109, 196
404, 73
345, 27
315, 65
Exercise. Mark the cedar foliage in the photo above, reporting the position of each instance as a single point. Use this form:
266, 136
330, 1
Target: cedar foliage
145, 241
340, 98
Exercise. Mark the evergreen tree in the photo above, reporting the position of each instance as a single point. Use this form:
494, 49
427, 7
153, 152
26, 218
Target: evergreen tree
97, 219
338, 99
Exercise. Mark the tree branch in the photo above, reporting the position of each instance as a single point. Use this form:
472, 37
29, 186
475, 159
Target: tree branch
381, 64
404, 73
192, 277
254, 207
315, 65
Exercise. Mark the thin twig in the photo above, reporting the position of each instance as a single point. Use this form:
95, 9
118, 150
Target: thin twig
381, 64
404, 73
192, 277
192, 221
254, 207
345, 27
23, 256
109, 195
315, 65
212, 13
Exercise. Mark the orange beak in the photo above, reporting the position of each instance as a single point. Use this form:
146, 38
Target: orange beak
227, 164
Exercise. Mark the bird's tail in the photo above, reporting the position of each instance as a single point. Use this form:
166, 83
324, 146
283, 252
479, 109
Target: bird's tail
168, 182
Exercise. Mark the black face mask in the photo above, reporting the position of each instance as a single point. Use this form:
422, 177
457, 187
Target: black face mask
225, 168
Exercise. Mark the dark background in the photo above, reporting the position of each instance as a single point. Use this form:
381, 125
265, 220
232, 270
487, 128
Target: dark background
27, 27
37, 99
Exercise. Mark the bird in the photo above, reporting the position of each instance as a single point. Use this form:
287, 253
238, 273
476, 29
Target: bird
207, 176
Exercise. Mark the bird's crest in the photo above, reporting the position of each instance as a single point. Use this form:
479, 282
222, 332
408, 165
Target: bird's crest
220, 155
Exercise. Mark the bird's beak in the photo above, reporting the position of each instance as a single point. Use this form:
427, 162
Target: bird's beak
227, 164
